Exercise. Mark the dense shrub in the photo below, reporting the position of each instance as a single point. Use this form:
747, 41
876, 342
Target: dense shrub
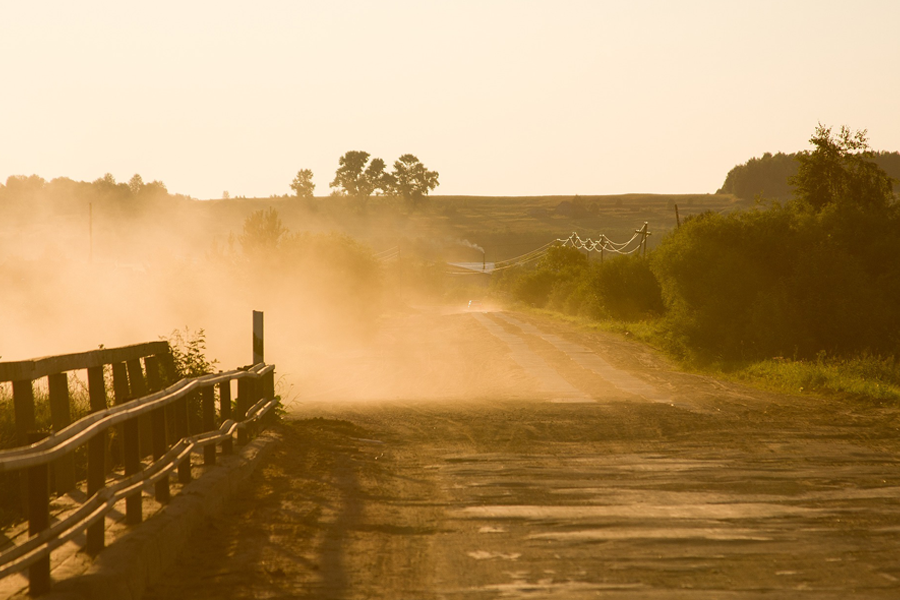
627, 289
786, 281
621, 288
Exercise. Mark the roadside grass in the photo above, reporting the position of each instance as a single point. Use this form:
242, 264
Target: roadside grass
866, 378
869, 378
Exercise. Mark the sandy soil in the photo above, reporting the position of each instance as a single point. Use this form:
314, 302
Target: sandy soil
502, 456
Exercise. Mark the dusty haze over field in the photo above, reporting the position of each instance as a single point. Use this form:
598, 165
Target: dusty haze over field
502, 98
177, 265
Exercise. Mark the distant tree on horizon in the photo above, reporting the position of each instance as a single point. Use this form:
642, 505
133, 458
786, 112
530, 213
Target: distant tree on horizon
357, 177
302, 184
841, 170
411, 181
765, 176
136, 184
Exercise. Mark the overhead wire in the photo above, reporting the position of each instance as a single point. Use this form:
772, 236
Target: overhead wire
603, 244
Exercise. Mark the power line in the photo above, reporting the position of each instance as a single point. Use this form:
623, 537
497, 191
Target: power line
604, 244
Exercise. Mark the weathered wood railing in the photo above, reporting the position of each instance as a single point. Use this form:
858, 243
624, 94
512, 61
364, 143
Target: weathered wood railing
149, 418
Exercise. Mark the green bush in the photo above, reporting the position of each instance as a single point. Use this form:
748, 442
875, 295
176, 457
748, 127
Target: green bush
627, 289
564, 280
535, 287
786, 281
189, 353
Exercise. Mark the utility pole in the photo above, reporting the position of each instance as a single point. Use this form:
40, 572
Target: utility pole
677, 218
90, 233
644, 234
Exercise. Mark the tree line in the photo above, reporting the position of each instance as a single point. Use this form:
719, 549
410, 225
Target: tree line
769, 175
35, 188
359, 176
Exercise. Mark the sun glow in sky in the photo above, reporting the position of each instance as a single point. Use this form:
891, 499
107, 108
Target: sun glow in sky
501, 97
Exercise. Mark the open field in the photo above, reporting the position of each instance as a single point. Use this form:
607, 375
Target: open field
503, 226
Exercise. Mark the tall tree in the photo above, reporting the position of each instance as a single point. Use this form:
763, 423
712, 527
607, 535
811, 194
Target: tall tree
411, 180
136, 184
840, 170
351, 177
303, 185
377, 177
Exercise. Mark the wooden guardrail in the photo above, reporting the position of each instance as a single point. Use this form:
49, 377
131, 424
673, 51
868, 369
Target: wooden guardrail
154, 427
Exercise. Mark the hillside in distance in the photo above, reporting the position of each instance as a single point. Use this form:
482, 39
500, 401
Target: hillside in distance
504, 226
84, 223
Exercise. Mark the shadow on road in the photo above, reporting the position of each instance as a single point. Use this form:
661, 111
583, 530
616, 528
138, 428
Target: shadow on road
288, 536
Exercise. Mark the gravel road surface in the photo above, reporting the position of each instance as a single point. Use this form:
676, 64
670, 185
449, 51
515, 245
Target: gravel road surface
496, 455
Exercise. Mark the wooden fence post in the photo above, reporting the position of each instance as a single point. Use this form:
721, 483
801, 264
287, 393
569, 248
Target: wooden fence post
255, 396
60, 417
180, 407
131, 456
168, 376
268, 385
154, 376
258, 338
96, 476
120, 383
158, 426
120, 396
208, 407
38, 520
167, 362
225, 413
23, 408
136, 378
160, 446
138, 390
243, 403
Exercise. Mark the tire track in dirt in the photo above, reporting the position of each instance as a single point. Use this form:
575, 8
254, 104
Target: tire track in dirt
586, 358
550, 380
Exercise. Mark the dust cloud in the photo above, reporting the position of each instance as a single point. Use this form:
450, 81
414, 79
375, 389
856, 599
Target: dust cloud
86, 272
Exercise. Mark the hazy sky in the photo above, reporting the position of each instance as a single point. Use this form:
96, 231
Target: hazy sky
501, 97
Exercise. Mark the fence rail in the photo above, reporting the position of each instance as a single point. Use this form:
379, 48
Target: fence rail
42, 367
152, 424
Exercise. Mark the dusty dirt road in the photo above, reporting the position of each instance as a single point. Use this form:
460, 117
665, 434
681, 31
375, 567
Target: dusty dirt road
501, 456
